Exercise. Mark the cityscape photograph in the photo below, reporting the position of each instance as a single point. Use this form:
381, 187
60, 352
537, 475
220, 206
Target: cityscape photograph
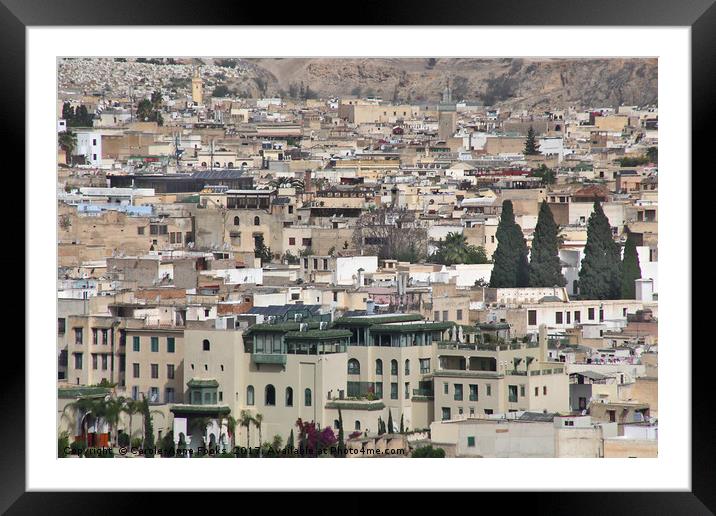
374, 257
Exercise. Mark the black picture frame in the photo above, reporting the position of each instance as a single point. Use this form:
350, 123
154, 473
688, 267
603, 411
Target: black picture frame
16, 15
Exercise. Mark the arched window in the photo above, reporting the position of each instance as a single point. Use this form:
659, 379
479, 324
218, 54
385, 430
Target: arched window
379, 367
257, 221
205, 345
289, 397
250, 395
270, 396
407, 367
394, 367
357, 425
353, 366
236, 221
307, 398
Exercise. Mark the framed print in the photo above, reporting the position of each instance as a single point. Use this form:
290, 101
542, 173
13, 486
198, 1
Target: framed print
420, 236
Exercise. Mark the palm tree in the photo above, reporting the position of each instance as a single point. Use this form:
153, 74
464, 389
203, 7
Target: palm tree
113, 410
258, 420
200, 424
231, 430
131, 407
246, 419
83, 407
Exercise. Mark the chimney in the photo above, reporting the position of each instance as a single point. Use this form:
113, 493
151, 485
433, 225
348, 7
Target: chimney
543, 342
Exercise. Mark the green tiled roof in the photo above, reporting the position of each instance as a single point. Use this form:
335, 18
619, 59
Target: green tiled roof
370, 321
355, 405
200, 409
80, 392
408, 328
280, 328
198, 382
318, 334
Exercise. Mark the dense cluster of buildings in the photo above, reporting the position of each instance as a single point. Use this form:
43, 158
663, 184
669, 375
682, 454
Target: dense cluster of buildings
234, 255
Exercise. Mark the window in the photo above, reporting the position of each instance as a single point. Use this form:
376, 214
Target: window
140, 230
236, 221
569, 423
446, 317
250, 395
558, 317
306, 242
522, 391
170, 371
601, 315
436, 316
270, 396
577, 316
135, 392
446, 413
471, 441
154, 394
356, 425
424, 365
569, 317
155, 344
353, 366
78, 336
205, 345
458, 392
257, 221
458, 316
536, 391
488, 389
590, 314
291, 241
407, 367
104, 362
532, 317
379, 390
473, 392
155, 370
379, 367
61, 326
94, 361
512, 393
307, 398
289, 397
135, 343
94, 336
544, 390
135, 370
446, 388
170, 344
394, 367
394, 390
169, 395
406, 392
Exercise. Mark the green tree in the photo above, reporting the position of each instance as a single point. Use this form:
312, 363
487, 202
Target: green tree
341, 436
67, 141
545, 266
631, 270
258, 421
148, 429
402, 424
531, 147
545, 173
428, 452
289, 442
262, 251
455, 249
144, 110
390, 422
599, 276
652, 154
131, 408
63, 442
511, 268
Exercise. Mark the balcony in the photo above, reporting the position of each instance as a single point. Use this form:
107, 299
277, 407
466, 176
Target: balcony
266, 358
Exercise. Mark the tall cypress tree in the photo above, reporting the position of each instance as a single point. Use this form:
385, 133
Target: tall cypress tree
631, 270
531, 143
510, 266
390, 422
600, 274
545, 267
